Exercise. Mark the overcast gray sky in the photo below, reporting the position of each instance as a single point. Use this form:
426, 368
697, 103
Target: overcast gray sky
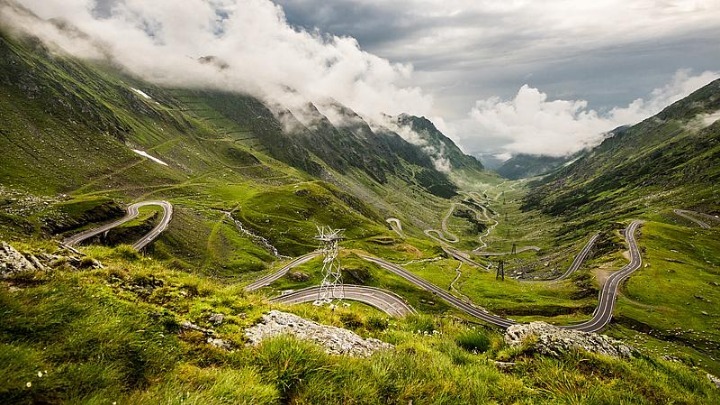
501, 76
606, 52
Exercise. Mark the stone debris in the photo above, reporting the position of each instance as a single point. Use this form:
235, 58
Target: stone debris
187, 325
210, 334
554, 341
504, 365
334, 340
220, 344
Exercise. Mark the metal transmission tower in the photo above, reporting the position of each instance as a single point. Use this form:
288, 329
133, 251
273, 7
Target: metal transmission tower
331, 287
500, 274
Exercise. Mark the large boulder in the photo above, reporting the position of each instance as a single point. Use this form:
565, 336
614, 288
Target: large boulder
334, 340
554, 341
13, 262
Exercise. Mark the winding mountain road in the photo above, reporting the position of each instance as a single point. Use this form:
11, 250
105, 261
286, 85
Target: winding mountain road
688, 215
461, 256
385, 301
608, 293
444, 236
447, 297
271, 278
396, 226
601, 316
132, 213
522, 249
579, 259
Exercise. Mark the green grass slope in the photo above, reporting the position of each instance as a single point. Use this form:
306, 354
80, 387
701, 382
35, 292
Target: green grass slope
114, 335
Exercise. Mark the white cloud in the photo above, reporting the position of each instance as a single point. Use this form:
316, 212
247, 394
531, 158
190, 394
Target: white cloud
530, 123
438, 155
162, 40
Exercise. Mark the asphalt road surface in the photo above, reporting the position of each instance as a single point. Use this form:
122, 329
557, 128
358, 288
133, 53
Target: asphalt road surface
446, 296
601, 316
271, 278
396, 226
462, 257
579, 259
608, 293
517, 251
687, 215
132, 213
383, 300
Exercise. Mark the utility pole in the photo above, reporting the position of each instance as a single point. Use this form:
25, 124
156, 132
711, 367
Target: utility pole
500, 274
332, 286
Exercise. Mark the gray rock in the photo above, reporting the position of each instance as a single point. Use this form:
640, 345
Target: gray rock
13, 262
220, 344
714, 380
334, 340
187, 325
503, 365
216, 319
554, 341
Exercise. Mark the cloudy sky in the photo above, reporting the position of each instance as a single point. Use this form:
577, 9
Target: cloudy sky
496, 75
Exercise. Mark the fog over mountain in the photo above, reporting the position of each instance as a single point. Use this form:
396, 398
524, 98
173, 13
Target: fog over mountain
257, 51
497, 77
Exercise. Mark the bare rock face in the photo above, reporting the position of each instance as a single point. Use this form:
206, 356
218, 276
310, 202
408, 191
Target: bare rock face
334, 340
13, 262
554, 341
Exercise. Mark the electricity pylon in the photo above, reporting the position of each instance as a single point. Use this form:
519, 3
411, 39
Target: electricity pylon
500, 273
331, 287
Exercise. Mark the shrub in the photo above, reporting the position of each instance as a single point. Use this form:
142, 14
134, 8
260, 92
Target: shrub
289, 362
351, 320
126, 252
377, 323
421, 323
86, 262
473, 341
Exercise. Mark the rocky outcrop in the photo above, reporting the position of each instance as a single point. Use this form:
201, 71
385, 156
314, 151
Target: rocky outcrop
551, 340
334, 340
13, 262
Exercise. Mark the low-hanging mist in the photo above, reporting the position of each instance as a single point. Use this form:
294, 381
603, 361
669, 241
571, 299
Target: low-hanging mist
249, 46
236, 45
531, 123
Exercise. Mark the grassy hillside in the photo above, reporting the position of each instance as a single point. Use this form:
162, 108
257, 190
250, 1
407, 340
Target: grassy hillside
113, 335
522, 165
670, 160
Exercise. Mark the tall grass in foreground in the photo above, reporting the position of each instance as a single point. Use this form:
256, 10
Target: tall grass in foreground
113, 335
